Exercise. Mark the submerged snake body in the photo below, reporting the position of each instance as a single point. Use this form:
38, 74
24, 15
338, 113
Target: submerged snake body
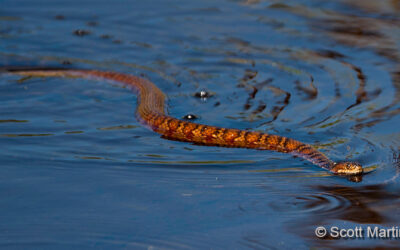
150, 111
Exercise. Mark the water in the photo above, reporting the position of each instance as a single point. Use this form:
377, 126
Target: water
78, 170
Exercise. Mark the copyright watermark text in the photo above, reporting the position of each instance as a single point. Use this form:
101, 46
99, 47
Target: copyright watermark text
358, 232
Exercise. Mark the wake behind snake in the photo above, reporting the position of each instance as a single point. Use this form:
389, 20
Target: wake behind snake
150, 111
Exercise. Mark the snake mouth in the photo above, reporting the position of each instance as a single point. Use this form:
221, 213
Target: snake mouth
347, 168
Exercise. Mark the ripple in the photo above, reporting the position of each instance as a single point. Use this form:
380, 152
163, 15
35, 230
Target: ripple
74, 132
213, 162
13, 121
321, 204
118, 127
24, 135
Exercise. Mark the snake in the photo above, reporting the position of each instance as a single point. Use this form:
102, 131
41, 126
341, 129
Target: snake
150, 111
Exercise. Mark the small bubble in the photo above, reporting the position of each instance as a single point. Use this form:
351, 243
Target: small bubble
203, 94
190, 117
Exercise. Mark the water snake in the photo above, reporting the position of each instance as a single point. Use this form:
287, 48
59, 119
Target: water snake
150, 111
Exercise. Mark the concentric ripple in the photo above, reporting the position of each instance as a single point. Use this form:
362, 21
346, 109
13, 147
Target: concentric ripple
317, 204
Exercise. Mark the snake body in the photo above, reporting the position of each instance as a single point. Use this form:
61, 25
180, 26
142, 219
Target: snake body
150, 111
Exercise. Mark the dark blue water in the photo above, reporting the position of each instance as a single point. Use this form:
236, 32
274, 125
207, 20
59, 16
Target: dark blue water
79, 171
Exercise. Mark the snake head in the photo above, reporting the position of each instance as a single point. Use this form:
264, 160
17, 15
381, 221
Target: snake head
347, 168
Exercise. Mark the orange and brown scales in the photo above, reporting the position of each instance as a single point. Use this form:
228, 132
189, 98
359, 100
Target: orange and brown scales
173, 125
178, 133
188, 129
230, 135
148, 118
252, 138
157, 123
197, 132
272, 140
216, 135
210, 133
304, 149
204, 134
291, 145
164, 126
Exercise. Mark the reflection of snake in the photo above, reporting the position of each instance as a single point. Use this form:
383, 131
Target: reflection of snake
150, 111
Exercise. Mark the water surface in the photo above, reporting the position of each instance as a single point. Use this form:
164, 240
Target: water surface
78, 170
